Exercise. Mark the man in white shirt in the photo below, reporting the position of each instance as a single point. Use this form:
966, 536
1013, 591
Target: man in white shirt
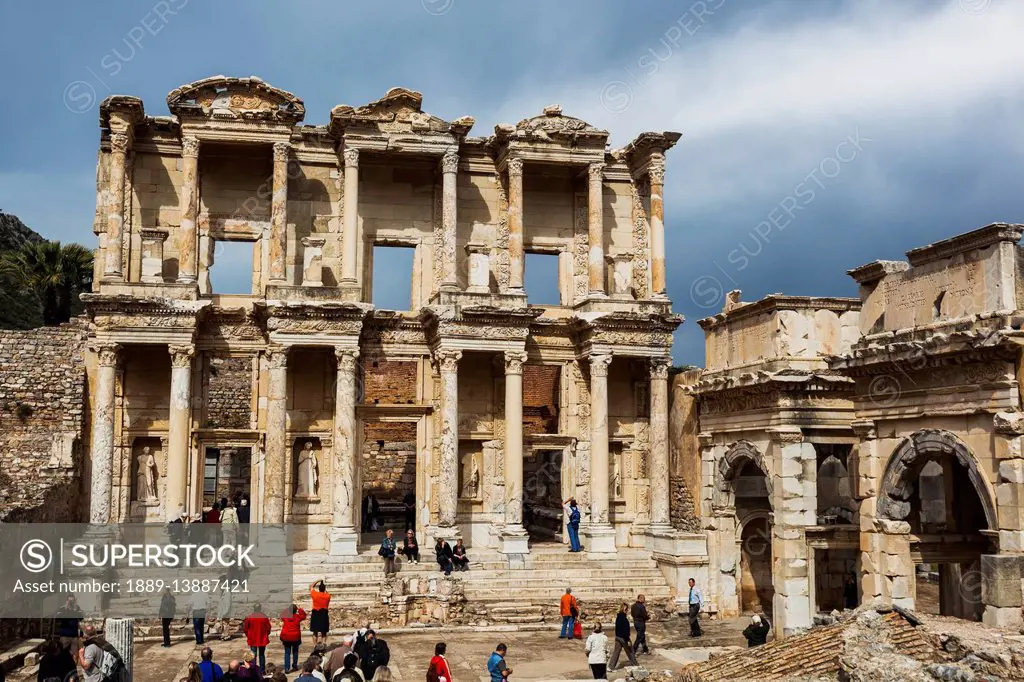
696, 603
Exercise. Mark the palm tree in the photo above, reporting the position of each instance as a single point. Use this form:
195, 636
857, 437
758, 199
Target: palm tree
56, 274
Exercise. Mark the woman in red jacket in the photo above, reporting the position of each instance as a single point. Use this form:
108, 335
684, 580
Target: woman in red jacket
439, 670
291, 637
257, 635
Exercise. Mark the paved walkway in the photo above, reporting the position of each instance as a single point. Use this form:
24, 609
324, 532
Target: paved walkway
537, 655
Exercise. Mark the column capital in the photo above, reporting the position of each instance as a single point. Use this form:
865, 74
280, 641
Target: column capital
181, 355
660, 367
281, 151
190, 146
864, 428
450, 162
346, 358
277, 356
786, 435
515, 166
447, 359
119, 142
599, 364
595, 171
106, 353
351, 155
656, 170
514, 361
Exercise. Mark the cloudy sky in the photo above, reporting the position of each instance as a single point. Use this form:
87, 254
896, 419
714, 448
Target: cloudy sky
818, 135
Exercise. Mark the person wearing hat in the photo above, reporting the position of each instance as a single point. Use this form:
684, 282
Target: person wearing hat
572, 512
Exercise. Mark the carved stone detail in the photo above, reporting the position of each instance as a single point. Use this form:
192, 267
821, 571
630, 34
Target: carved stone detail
190, 147
450, 162
181, 356
351, 157
514, 362
282, 151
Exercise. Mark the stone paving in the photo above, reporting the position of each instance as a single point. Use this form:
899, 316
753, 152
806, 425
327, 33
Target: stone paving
534, 655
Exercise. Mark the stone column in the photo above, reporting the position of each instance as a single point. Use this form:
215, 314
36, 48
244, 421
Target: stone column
103, 434
595, 228
179, 431
448, 483
186, 239
350, 226
515, 224
277, 424
344, 538
278, 247
153, 254
119, 633
599, 532
113, 269
659, 445
656, 174
514, 539
795, 506
449, 170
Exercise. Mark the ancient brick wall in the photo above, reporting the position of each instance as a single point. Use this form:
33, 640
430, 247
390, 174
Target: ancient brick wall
540, 398
389, 382
229, 392
42, 403
389, 459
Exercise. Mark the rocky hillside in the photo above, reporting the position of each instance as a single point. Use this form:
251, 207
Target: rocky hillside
18, 309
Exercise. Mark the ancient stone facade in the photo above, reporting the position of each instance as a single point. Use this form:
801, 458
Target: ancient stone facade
42, 419
304, 395
861, 439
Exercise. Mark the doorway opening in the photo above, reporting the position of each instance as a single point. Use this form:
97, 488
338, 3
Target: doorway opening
226, 471
388, 472
835, 579
756, 590
542, 496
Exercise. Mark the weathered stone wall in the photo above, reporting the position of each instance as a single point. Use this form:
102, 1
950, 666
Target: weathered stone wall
389, 382
42, 402
229, 392
540, 398
389, 469
684, 452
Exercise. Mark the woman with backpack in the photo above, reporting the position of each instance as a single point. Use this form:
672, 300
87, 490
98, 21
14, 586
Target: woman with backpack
573, 513
291, 637
438, 671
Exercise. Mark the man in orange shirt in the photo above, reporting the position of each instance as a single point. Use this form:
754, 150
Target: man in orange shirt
569, 613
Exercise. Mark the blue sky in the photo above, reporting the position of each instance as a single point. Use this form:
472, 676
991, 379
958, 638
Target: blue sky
818, 135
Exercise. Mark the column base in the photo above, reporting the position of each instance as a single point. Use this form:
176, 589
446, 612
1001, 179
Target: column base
600, 539
597, 294
514, 540
344, 541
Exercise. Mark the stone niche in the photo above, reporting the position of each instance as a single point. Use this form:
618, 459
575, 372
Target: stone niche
471, 471
307, 468
148, 476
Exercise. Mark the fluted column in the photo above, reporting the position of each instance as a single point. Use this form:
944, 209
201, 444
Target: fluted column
186, 238
344, 539
103, 434
449, 201
350, 227
277, 423
448, 363
656, 173
659, 443
112, 268
179, 430
601, 536
515, 223
595, 228
278, 247
514, 539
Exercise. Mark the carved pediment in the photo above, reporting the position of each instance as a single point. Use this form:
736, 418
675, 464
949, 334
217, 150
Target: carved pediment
399, 111
551, 125
223, 97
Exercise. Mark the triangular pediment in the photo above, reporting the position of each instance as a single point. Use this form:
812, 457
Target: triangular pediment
223, 97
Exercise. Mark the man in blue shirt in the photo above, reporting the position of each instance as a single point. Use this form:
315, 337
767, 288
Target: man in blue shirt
210, 670
696, 602
496, 666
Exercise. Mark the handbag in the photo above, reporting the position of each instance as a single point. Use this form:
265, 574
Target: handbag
577, 630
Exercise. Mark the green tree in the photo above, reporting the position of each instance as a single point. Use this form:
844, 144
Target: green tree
56, 273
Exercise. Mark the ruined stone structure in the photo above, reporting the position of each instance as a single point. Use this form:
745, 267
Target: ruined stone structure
305, 395
868, 438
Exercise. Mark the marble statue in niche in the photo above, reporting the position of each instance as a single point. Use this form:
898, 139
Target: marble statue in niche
145, 476
471, 479
307, 478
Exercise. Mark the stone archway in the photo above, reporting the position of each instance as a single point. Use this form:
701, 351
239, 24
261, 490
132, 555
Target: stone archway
732, 462
904, 467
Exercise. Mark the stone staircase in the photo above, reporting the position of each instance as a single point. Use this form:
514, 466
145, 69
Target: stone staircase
497, 589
